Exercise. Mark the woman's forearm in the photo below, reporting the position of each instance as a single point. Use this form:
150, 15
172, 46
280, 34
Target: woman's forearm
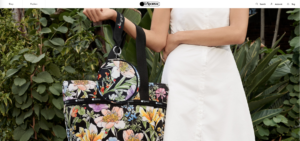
211, 37
154, 41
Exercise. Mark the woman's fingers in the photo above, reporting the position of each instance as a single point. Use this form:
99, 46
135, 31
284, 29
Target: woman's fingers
93, 15
98, 14
86, 11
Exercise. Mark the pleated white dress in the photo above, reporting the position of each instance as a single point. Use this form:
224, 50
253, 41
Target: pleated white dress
206, 100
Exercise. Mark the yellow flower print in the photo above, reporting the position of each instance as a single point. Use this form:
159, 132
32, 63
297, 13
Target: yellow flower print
159, 116
92, 136
148, 115
81, 133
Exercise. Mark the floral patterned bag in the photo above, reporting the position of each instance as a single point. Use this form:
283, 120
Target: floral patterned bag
121, 105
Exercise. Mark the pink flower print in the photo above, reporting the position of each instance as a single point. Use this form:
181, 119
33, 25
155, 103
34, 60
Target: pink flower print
160, 92
111, 118
128, 135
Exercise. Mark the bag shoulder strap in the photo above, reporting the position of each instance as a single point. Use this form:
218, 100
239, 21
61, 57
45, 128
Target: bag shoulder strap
142, 63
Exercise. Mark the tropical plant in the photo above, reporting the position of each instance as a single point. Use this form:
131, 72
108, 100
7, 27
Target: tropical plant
255, 74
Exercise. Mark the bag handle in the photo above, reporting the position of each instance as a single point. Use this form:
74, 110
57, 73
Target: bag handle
142, 63
119, 38
118, 35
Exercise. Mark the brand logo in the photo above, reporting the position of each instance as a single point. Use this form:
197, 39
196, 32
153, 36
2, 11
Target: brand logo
121, 20
78, 100
150, 3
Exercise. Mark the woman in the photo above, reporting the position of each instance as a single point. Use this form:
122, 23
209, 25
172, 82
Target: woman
206, 99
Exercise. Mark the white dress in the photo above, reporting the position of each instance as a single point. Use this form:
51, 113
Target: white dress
206, 100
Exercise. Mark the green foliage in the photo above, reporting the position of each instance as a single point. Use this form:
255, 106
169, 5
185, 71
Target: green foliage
271, 84
294, 42
266, 83
33, 66
55, 47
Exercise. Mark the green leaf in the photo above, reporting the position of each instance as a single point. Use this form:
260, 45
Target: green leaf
269, 122
293, 100
20, 119
37, 96
48, 11
57, 86
241, 56
26, 136
48, 113
46, 30
294, 16
37, 109
44, 97
133, 15
20, 90
261, 65
282, 118
297, 30
276, 120
18, 132
62, 29
261, 102
296, 88
295, 70
276, 43
57, 41
68, 19
262, 77
293, 115
273, 88
290, 88
43, 124
59, 131
59, 113
281, 129
43, 21
263, 131
15, 58
295, 42
11, 72
27, 104
43, 77
16, 112
47, 43
58, 103
18, 99
41, 88
69, 69
28, 114
53, 91
54, 70
23, 50
32, 58
259, 116
19, 81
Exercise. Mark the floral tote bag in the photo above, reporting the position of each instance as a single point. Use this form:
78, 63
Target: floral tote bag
121, 105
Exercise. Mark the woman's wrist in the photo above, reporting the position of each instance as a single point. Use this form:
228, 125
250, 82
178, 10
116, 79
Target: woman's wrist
177, 38
114, 15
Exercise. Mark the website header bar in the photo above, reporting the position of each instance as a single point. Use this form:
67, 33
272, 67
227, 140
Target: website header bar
149, 4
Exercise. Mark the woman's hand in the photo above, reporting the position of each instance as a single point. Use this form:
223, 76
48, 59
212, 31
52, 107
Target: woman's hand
100, 14
172, 43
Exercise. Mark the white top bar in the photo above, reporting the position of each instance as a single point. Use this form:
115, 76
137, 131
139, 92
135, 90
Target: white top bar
149, 4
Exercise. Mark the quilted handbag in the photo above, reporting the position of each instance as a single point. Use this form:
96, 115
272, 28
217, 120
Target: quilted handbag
120, 105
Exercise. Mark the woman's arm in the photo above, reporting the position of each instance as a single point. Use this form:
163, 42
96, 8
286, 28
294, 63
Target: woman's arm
235, 33
156, 37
